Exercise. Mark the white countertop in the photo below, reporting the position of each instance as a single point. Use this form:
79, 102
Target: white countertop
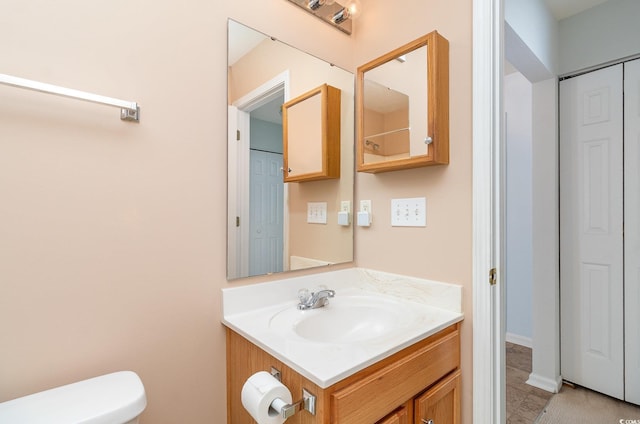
248, 310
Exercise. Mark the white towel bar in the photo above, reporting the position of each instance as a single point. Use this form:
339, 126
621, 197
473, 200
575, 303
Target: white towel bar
129, 111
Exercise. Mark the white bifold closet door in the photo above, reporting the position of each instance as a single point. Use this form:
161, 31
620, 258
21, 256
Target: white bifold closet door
632, 229
600, 230
591, 219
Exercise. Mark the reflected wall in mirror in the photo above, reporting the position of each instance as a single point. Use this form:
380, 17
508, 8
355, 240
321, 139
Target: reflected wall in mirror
403, 107
267, 228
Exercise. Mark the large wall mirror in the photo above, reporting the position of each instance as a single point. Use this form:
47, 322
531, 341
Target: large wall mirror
403, 107
268, 220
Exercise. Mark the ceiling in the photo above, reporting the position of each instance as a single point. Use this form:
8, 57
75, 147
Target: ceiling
564, 8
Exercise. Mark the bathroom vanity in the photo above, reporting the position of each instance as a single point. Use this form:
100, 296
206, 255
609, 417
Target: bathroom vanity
386, 349
421, 381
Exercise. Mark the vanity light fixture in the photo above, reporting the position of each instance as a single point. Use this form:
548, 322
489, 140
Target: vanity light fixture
315, 4
351, 10
337, 13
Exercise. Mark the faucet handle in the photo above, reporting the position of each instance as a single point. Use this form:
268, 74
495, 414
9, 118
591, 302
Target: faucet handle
304, 295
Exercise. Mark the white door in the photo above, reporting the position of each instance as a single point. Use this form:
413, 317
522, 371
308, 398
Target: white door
632, 229
266, 213
591, 240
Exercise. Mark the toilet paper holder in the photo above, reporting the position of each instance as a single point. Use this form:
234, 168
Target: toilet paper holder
286, 410
308, 401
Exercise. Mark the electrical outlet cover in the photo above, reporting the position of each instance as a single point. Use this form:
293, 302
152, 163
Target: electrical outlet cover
365, 206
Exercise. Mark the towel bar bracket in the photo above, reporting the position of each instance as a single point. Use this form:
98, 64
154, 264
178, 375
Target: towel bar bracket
130, 114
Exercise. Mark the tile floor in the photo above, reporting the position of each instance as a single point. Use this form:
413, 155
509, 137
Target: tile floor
524, 402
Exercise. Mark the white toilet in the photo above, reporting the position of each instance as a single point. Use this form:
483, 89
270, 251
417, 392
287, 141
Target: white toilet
117, 398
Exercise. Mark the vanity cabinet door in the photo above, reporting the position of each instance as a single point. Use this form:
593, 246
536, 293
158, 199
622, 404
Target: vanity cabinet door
441, 403
400, 416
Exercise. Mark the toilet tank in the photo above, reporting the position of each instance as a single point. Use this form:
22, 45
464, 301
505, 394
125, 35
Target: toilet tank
116, 398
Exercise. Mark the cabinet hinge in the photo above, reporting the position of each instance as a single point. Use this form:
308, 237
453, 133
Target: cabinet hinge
237, 135
493, 276
237, 221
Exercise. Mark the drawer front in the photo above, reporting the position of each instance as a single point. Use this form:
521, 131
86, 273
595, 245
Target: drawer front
370, 399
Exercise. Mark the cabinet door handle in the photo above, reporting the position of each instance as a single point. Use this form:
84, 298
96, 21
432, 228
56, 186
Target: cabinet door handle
427, 421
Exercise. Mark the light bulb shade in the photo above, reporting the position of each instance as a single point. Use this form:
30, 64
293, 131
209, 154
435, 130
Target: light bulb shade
354, 7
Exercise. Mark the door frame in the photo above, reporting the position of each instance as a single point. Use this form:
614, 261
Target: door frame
488, 212
248, 103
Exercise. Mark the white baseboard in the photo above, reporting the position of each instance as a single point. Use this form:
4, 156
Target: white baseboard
548, 384
519, 340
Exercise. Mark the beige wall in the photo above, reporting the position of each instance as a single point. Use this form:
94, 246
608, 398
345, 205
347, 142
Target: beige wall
442, 250
113, 234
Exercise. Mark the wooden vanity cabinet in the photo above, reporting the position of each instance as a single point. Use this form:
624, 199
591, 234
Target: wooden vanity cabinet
401, 389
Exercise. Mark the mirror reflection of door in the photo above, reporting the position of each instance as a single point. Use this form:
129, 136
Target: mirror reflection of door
266, 188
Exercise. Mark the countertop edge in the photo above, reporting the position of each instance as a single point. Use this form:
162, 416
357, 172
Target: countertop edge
353, 370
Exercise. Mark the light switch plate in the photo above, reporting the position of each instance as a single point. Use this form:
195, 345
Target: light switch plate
317, 212
409, 212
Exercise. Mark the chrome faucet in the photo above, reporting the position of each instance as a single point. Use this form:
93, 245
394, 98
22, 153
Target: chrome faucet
314, 300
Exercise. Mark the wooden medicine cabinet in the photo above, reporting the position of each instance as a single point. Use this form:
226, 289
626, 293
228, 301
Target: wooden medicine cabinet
311, 135
402, 107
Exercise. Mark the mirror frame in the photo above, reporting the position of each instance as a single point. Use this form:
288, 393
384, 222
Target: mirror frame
437, 101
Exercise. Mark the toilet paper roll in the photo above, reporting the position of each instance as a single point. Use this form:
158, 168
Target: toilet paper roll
259, 392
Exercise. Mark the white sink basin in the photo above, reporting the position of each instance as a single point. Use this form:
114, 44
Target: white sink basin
372, 316
346, 319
